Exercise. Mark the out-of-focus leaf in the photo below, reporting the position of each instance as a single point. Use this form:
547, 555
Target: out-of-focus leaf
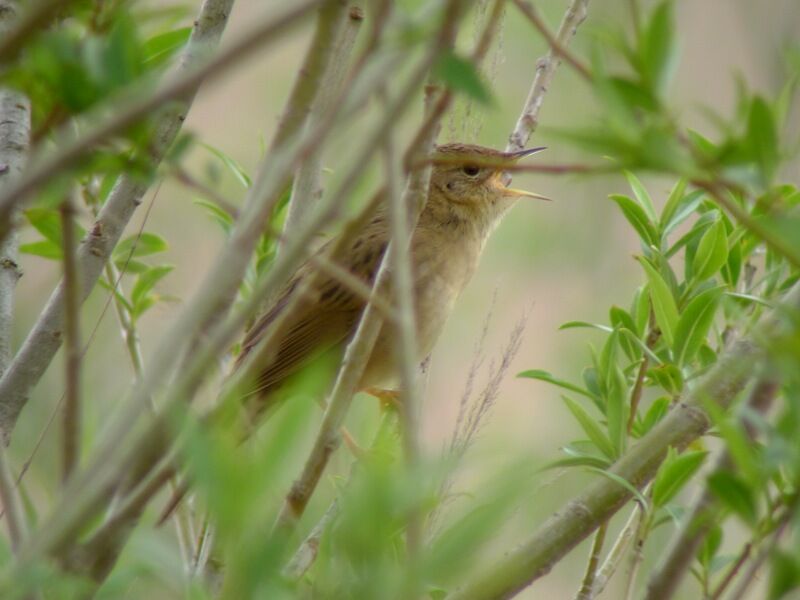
460, 74
708, 549
47, 222
43, 248
658, 49
658, 409
693, 325
231, 164
784, 575
666, 311
617, 411
159, 48
637, 218
140, 245
669, 377
590, 428
712, 252
221, 217
147, 280
674, 472
762, 137
545, 376
735, 494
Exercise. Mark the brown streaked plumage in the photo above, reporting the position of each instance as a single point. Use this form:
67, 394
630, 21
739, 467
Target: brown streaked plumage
465, 202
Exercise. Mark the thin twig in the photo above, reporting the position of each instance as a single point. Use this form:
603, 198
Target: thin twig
72, 398
731, 574
359, 349
334, 41
530, 11
586, 591
616, 554
12, 505
30, 22
545, 68
184, 177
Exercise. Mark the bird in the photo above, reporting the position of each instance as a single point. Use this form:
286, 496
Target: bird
467, 197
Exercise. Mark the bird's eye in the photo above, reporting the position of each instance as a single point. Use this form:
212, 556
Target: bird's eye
470, 170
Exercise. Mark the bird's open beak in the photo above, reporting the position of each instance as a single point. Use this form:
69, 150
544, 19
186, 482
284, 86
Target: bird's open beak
503, 178
513, 193
523, 153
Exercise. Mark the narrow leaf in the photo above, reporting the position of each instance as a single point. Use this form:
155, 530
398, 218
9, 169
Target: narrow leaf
666, 311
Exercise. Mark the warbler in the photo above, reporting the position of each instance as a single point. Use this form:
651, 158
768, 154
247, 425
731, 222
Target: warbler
467, 197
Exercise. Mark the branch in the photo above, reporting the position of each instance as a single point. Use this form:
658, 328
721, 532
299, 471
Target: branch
545, 68
697, 523
335, 43
71, 417
15, 127
687, 421
44, 338
369, 326
530, 11
586, 591
31, 21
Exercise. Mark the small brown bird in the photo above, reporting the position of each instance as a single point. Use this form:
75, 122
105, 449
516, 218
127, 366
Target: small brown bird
466, 200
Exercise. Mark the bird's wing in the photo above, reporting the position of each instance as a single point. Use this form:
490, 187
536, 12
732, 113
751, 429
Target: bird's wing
324, 319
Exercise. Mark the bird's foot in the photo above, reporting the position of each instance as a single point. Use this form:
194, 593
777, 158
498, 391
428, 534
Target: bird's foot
389, 399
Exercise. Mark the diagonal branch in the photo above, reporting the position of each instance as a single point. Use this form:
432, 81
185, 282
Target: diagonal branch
586, 512
44, 338
545, 69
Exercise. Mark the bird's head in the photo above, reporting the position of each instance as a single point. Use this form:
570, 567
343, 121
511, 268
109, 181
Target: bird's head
473, 180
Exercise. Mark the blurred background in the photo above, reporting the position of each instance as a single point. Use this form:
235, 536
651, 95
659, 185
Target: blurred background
547, 263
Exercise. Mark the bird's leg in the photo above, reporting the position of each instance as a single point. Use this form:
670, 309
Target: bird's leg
389, 399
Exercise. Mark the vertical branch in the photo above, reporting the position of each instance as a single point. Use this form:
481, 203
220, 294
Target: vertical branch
15, 130
72, 405
586, 592
360, 348
307, 186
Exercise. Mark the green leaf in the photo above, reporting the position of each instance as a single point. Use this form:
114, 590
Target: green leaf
43, 248
121, 57
460, 74
712, 252
676, 470
140, 245
545, 376
735, 494
617, 411
623, 483
682, 209
586, 325
762, 137
216, 213
658, 409
577, 461
674, 199
637, 218
658, 51
47, 222
236, 169
710, 546
147, 281
693, 325
669, 377
590, 428
159, 48
642, 196
666, 311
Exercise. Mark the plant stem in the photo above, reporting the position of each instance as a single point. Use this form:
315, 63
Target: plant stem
556, 45
587, 585
545, 69
72, 336
334, 40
